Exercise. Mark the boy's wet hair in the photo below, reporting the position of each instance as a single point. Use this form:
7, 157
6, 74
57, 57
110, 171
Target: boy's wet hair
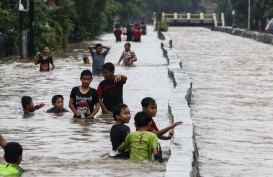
109, 66
117, 109
56, 97
86, 72
142, 119
25, 101
98, 45
127, 43
13, 151
147, 101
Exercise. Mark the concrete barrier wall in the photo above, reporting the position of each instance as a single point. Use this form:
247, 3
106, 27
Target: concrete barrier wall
184, 155
260, 37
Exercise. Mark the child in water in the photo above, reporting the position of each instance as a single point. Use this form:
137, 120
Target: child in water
44, 60
83, 99
85, 60
58, 105
110, 90
119, 131
141, 143
149, 105
98, 58
28, 106
13, 157
128, 56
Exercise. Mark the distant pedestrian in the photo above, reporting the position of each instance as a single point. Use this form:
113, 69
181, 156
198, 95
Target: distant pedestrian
44, 60
269, 27
143, 28
137, 34
129, 32
118, 33
98, 57
128, 56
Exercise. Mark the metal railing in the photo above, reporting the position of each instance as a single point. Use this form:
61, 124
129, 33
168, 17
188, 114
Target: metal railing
201, 18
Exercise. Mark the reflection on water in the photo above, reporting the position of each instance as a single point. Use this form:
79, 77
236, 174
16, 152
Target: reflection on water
59, 145
232, 108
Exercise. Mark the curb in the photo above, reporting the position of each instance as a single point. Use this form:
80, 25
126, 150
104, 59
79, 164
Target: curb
183, 160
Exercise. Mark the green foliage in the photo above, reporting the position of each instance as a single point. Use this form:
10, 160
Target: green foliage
223, 6
53, 24
163, 26
9, 21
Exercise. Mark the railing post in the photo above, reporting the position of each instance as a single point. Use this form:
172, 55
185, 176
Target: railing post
215, 20
175, 18
188, 17
154, 19
163, 16
223, 19
201, 17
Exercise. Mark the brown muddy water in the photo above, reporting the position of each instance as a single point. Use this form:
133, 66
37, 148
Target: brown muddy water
62, 146
233, 101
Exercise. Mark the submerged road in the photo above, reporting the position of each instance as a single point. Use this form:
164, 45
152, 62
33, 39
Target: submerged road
233, 100
63, 146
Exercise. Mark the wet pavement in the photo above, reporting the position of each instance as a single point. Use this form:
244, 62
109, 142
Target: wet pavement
232, 104
62, 146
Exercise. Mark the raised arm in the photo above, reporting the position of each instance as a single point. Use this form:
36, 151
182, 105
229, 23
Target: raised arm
91, 48
107, 48
165, 130
120, 78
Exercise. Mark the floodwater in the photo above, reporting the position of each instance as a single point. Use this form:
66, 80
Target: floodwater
233, 100
63, 146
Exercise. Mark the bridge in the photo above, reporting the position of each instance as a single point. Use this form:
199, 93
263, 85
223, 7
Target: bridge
188, 19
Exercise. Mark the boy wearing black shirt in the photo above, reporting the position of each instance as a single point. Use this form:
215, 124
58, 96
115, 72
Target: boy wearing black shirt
83, 99
110, 90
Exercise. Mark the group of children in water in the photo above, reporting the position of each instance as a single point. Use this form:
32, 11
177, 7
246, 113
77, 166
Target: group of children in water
85, 102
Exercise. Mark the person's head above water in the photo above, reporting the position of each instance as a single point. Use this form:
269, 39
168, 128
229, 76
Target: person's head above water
142, 119
13, 153
108, 70
127, 46
121, 113
149, 105
27, 103
98, 48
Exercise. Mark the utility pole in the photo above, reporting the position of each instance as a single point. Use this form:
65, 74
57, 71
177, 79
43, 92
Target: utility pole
23, 31
31, 29
248, 26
